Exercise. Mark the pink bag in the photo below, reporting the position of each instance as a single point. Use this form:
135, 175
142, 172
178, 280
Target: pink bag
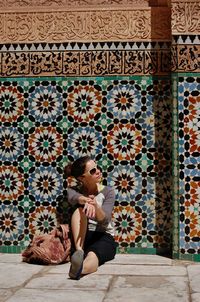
53, 248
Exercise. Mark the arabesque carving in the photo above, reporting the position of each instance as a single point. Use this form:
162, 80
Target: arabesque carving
185, 17
70, 3
99, 25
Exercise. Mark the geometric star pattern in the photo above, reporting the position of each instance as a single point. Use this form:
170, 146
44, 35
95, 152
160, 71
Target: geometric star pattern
124, 124
189, 163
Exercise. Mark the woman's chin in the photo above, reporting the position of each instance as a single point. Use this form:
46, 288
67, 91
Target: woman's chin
99, 179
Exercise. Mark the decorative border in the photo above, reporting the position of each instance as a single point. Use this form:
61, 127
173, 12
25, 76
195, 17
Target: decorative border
114, 45
147, 251
78, 3
32, 21
85, 63
185, 58
86, 25
175, 169
74, 63
185, 53
185, 17
61, 3
186, 39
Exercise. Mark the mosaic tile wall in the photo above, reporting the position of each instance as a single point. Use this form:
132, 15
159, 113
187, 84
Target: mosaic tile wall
125, 124
188, 94
120, 113
186, 147
189, 150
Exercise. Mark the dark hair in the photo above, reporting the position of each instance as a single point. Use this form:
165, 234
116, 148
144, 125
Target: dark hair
77, 168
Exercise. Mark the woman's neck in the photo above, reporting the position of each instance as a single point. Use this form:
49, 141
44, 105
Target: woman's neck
91, 190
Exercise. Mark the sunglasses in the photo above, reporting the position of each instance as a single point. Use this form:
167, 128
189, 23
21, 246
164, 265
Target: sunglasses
93, 170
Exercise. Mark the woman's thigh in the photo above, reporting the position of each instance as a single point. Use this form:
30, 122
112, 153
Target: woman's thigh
102, 244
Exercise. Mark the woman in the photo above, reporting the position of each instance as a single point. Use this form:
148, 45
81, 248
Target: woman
91, 224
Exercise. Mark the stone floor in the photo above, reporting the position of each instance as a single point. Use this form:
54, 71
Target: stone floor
128, 278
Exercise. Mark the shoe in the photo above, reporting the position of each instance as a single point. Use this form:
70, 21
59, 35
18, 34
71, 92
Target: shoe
76, 265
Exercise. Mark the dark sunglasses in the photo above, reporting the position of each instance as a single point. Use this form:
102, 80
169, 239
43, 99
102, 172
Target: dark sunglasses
93, 170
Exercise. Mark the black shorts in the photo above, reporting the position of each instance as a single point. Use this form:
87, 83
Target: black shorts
102, 244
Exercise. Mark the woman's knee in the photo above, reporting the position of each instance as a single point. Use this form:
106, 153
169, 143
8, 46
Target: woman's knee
79, 215
90, 263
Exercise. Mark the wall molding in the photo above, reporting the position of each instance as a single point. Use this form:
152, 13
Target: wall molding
29, 21
21, 4
85, 63
86, 25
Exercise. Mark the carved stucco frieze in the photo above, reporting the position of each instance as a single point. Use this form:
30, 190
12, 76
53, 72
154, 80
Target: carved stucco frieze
78, 3
99, 25
185, 17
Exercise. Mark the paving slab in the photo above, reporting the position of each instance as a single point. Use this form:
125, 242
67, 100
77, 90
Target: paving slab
4, 294
149, 289
60, 281
195, 297
129, 277
145, 295
177, 283
141, 270
16, 258
194, 278
59, 269
141, 259
46, 295
12, 275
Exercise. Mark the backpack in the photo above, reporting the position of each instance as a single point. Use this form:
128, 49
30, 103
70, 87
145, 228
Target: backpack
52, 248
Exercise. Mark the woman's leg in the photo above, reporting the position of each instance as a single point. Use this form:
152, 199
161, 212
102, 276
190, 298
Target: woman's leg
99, 248
90, 263
79, 228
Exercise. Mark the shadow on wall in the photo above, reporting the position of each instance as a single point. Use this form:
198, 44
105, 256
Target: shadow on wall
163, 108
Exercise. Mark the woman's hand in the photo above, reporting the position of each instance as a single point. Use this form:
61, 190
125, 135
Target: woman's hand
90, 205
89, 210
99, 213
83, 200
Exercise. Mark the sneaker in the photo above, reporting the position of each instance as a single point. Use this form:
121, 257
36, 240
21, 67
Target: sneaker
76, 265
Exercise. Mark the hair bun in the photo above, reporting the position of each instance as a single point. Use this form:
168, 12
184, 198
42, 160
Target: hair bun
68, 170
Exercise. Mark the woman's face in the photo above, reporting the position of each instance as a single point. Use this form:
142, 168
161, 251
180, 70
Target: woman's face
92, 173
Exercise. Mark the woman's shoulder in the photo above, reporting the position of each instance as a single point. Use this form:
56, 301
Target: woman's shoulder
76, 188
105, 189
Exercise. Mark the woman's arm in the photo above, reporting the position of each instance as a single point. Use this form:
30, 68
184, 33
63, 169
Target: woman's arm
75, 197
109, 202
99, 213
104, 203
